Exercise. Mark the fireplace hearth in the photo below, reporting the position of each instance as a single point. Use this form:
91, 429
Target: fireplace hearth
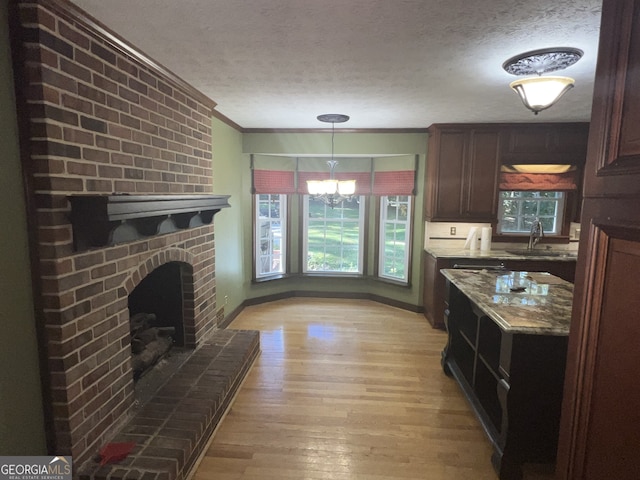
173, 426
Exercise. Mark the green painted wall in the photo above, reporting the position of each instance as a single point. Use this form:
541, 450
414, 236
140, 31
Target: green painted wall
21, 417
231, 254
374, 144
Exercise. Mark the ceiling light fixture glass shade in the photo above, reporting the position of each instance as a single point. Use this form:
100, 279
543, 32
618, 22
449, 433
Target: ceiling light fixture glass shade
539, 93
331, 186
332, 191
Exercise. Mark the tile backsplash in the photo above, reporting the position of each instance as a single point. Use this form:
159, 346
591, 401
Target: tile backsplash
454, 235
574, 232
440, 234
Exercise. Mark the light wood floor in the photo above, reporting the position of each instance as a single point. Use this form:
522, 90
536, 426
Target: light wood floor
347, 389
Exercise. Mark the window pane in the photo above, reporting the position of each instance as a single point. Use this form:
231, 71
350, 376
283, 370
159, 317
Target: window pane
530, 208
509, 224
393, 257
333, 236
270, 234
392, 211
332, 212
510, 207
403, 211
548, 208
519, 209
549, 194
527, 222
548, 224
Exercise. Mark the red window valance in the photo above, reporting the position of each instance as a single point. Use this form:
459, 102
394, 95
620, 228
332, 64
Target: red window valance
395, 182
274, 181
400, 182
538, 181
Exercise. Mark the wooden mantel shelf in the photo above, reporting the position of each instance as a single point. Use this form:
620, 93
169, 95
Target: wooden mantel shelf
106, 220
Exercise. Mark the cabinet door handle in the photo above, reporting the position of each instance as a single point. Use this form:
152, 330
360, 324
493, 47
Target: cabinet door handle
479, 267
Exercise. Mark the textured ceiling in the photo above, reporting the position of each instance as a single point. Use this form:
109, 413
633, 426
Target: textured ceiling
386, 63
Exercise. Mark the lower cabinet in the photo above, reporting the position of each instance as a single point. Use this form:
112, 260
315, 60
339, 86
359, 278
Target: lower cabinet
514, 383
434, 286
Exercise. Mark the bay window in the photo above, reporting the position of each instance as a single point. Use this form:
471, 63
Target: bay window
332, 240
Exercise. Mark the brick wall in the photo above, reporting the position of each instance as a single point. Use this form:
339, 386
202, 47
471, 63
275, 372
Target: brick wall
104, 119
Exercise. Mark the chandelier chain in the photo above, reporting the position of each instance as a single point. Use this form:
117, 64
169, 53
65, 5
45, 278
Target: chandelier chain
331, 191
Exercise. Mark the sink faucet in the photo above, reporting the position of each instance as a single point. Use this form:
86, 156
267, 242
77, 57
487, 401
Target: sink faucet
537, 232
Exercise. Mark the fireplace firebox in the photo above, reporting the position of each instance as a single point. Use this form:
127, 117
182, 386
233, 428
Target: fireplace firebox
156, 316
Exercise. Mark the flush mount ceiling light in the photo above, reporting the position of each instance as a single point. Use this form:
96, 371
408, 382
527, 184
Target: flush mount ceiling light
539, 93
332, 191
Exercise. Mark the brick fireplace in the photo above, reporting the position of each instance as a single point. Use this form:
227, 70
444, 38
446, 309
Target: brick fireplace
101, 119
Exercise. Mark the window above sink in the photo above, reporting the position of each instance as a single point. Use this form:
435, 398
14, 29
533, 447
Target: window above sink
517, 210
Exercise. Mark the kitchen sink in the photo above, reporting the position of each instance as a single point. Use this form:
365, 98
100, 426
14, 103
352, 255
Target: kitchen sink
543, 253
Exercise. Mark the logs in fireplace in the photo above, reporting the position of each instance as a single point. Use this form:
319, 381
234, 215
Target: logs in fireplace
149, 343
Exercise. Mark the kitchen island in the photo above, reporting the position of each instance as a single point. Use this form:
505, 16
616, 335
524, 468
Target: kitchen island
561, 263
507, 343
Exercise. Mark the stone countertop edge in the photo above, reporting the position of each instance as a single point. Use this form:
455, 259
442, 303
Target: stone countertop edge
442, 252
552, 318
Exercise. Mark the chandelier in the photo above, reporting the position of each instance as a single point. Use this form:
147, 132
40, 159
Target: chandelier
539, 93
332, 191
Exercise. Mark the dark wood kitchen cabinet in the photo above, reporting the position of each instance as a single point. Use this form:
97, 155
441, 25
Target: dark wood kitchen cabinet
600, 427
462, 173
546, 143
463, 163
434, 290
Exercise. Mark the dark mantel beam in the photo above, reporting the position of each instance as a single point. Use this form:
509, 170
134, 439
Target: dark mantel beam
107, 220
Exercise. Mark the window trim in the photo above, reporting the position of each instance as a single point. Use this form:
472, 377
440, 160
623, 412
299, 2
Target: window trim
380, 242
563, 222
286, 238
303, 243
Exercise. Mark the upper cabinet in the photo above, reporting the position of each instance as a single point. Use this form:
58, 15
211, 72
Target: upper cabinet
560, 143
463, 163
462, 173
615, 132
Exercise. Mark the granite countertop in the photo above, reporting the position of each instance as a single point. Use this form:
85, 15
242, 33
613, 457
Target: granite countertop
543, 308
511, 254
